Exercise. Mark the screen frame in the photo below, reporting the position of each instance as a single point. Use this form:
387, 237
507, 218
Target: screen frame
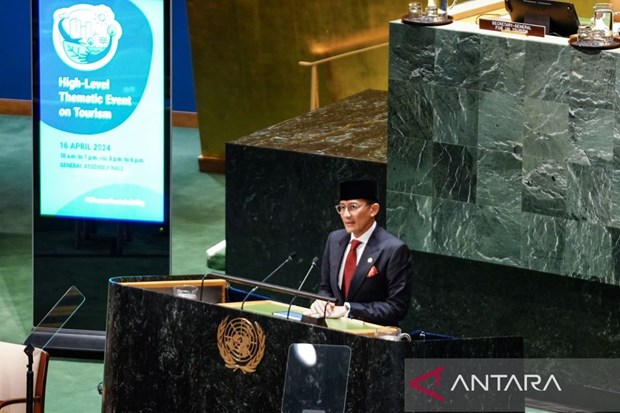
36, 119
85, 252
559, 18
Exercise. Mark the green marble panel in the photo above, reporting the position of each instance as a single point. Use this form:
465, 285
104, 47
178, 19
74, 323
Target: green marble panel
412, 54
456, 115
544, 240
592, 132
410, 111
544, 186
587, 253
409, 217
546, 130
458, 59
454, 228
454, 172
411, 162
500, 122
499, 180
350, 128
502, 61
616, 92
616, 141
547, 71
498, 236
592, 82
614, 218
589, 193
614, 234
615, 177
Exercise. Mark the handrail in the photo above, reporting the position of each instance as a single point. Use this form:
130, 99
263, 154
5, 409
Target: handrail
314, 74
458, 12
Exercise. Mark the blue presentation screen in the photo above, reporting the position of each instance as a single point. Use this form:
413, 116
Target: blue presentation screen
101, 89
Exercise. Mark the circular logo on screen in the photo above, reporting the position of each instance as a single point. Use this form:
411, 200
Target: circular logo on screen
86, 36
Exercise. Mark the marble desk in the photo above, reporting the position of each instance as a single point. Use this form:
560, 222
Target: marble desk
504, 179
282, 185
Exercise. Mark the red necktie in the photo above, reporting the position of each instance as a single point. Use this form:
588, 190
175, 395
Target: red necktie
349, 267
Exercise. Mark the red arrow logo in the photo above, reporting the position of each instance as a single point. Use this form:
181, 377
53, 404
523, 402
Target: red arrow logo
415, 383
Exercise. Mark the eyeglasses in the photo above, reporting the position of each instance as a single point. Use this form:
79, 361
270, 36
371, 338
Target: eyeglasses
352, 208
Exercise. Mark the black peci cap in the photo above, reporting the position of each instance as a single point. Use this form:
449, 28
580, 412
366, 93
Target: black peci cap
362, 189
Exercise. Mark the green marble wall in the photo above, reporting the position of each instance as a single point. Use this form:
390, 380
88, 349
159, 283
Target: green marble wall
505, 150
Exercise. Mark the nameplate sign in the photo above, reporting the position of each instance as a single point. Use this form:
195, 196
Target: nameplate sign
512, 27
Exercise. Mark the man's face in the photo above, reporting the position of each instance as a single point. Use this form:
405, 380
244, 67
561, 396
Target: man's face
358, 215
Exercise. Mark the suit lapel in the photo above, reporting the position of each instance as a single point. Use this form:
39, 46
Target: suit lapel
335, 260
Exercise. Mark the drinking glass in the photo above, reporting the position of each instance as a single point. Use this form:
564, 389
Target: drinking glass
186, 291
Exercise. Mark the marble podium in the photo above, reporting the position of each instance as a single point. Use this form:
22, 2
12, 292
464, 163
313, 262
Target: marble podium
163, 354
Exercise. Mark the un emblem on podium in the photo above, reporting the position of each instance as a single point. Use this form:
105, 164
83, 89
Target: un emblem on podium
241, 344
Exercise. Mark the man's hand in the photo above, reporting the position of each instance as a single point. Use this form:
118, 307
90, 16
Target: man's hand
318, 308
322, 308
336, 311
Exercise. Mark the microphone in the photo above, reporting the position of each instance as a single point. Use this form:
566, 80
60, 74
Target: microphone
202, 285
314, 261
220, 246
290, 257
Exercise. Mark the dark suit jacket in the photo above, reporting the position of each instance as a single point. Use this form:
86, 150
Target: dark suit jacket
383, 298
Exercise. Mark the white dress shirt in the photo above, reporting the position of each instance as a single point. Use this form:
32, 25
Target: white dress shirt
360, 250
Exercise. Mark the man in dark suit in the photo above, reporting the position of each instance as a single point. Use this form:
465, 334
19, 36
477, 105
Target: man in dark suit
367, 269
